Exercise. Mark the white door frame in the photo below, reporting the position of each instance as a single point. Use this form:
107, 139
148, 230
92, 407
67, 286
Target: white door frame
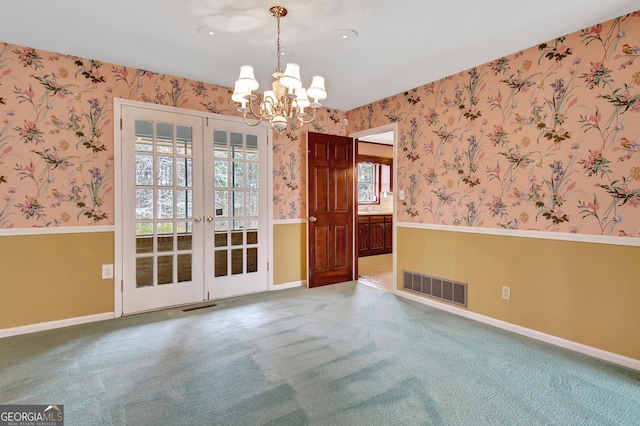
118, 103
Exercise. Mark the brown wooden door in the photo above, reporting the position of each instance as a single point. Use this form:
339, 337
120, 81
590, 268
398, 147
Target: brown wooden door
330, 208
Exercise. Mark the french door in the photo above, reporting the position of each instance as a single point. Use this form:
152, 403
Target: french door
194, 208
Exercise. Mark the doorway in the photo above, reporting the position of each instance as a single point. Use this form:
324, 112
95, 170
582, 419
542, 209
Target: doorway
193, 211
377, 219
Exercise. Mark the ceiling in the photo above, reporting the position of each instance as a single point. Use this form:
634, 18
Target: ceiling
401, 44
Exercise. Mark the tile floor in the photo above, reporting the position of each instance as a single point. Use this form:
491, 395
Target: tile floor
376, 271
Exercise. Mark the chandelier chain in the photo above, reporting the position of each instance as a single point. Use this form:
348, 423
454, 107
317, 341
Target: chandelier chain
278, 69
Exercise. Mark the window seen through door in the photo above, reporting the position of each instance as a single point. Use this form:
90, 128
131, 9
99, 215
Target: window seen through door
367, 182
374, 177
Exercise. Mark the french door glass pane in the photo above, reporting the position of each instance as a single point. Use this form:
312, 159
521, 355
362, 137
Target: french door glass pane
165, 171
237, 265
252, 237
238, 175
222, 225
144, 244
185, 242
184, 203
144, 136
164, 138
165, 270
221, 173
165, 243
144, 271
220, 263
222, 203
252, 175
252, 147
237, 238
184, 140
165, 203
144, 169
252, 259
238, 203
184, 171
220, 239
144, 203
237, 145
184, 267
252, 204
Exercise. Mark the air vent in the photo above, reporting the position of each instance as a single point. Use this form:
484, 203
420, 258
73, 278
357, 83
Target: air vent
435, 287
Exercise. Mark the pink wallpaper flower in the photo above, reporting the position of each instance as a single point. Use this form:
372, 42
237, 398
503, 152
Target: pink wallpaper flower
545, 139
56, 136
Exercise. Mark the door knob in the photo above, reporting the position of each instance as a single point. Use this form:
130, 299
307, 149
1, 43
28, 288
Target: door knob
197, 219
209, 218
312, 219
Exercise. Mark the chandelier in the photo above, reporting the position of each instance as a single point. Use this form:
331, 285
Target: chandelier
287, 100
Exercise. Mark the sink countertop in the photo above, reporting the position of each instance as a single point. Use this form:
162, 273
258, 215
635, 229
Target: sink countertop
373, 213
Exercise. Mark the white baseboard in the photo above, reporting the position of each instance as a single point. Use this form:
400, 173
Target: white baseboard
42, 326
283, 286
537, 335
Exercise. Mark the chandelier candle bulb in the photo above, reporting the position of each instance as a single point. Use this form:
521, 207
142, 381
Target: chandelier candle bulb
285, 104
302, 100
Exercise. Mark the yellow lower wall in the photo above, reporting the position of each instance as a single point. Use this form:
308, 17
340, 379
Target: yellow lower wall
289, 253
53, 277
583, 292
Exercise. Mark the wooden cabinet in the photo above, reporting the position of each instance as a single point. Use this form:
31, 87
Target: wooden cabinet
388, 233
363, 236
375, 234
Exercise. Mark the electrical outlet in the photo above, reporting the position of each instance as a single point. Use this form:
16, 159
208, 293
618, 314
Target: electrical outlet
506, 293
107, 271
401, 195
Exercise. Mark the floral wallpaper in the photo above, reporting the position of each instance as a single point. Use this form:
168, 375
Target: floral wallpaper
545, 139
56, 136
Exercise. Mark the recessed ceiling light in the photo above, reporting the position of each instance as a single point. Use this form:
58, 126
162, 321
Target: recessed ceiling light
346, 35
207, 31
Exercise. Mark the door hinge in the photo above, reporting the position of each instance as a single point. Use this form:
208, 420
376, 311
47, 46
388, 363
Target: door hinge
121, 285
267, 266
121, 124
207, 118
208, 297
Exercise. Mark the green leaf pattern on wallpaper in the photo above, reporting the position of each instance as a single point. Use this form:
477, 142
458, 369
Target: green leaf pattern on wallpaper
545, 139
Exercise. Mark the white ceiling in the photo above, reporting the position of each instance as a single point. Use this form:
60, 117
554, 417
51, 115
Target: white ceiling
402, 44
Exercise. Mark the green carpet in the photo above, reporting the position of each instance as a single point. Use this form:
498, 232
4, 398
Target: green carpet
345, 354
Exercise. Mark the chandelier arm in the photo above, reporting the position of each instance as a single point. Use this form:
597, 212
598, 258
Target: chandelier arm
244, 117
313, 117
251, 110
